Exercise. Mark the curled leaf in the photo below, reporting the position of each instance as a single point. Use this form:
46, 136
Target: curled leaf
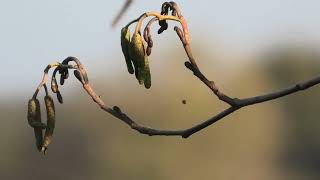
50, 123
163, 26
173, 7
125, 42
165, 8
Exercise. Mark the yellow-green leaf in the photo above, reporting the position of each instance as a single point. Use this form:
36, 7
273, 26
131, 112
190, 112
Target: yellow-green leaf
125, 42
34, 119
147, 74
50, 122
137, 54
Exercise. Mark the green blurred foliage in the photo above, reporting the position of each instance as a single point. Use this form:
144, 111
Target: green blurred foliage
300, 151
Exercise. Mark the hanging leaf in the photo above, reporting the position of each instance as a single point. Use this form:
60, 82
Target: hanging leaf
54, 85
34, 119
137, 54
50, 123
125, 42
147, 74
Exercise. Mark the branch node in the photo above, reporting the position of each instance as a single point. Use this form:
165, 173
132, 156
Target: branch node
116, 108
189, 66
185, 135
236, 102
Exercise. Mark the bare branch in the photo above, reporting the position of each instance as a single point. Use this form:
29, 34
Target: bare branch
271, 96
138, 52
237, 104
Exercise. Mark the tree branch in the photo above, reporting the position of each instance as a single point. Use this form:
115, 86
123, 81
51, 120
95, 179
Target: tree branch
271, 96
183, 34
237, 104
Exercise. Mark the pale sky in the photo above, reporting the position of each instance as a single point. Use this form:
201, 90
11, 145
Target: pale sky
36, 32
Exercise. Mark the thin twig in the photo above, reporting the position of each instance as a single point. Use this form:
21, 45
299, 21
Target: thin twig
275, 95
45, 75
192, 65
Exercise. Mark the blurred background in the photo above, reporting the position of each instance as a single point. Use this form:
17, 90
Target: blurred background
248, 47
